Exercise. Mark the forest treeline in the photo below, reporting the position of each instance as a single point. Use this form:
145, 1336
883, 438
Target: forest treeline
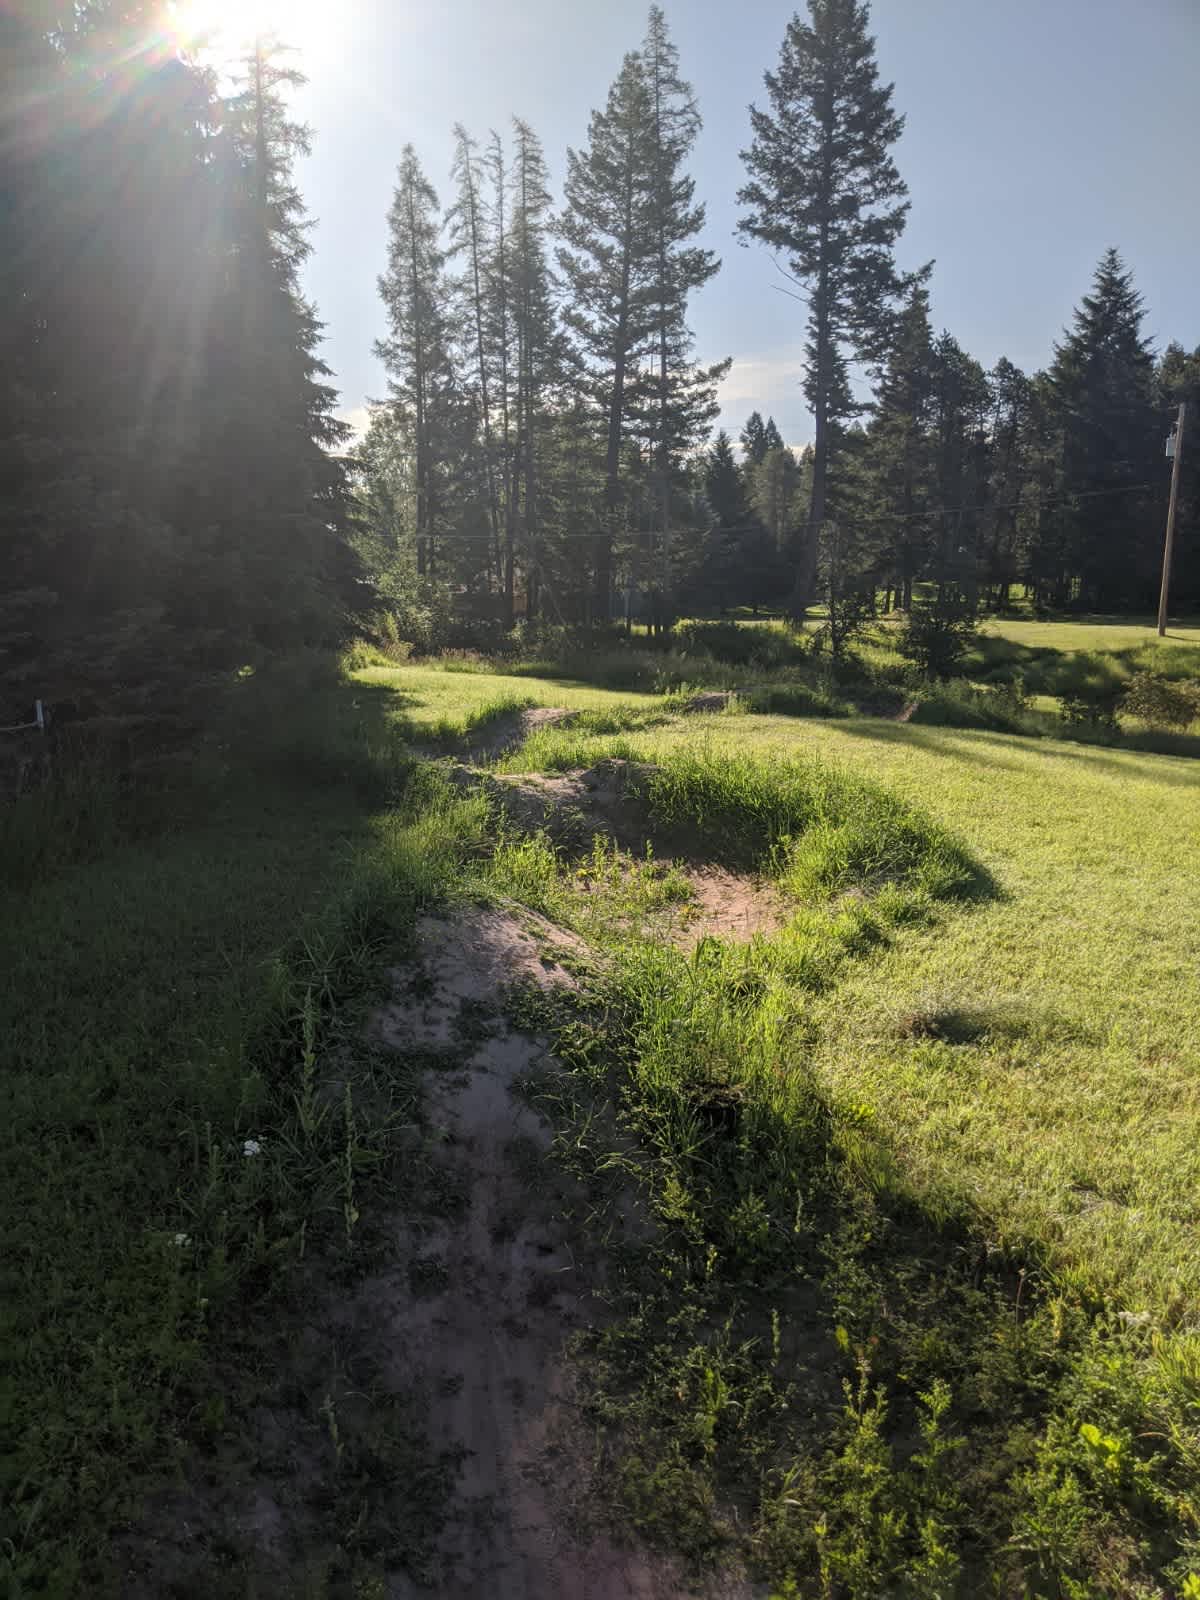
177, 494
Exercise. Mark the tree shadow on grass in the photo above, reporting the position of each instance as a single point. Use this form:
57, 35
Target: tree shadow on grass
963, 744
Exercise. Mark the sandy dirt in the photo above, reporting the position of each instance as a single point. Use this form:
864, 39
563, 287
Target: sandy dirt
487, 1344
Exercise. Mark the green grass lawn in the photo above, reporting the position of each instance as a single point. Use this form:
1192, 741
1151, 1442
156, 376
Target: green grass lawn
1038, 1057
993, 984
1091, 633
431, 694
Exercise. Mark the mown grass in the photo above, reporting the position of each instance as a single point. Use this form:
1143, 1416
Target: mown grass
175, 1010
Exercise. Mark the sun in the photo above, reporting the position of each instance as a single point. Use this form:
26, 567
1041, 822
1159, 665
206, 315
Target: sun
228, 28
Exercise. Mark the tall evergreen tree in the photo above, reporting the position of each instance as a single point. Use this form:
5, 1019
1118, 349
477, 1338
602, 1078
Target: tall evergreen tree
1010, 405
468, 226
417, 352
759, 438
1102, 383
628, 268
959, 412
276, 430
171, 495
900, 463
823, 190
538, 346
683, 400
608, 260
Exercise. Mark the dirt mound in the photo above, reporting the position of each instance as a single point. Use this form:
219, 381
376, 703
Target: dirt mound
508, 732
608, 799
716, 700
485, 1338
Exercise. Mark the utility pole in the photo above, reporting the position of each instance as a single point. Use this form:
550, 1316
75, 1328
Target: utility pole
1169, 543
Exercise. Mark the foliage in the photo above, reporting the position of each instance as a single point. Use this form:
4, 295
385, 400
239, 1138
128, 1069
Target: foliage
171, 499
175, 1153
824, 191
1159, 702
937, 635
739, 645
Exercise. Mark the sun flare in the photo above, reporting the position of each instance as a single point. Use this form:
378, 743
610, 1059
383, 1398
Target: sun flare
230, 27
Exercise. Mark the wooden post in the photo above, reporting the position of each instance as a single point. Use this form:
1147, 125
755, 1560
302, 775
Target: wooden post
1169, 543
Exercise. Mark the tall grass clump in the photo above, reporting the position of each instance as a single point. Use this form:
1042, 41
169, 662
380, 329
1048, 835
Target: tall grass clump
818, 829
447, 730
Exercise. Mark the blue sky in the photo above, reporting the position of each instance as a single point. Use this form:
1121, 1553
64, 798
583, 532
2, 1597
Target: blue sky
1038, 132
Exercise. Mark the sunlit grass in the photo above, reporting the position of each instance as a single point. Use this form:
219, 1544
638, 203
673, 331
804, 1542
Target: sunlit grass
1074, 1124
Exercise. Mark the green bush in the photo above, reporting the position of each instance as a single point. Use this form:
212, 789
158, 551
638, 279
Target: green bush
956, 704
938, 635
1093, 705
1161, 703
739, 645
794, 700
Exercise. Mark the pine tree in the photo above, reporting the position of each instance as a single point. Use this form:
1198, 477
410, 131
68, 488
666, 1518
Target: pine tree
608, 261
1010, 405
959, 411
778, 494
759, 438
417, 352
1102, 382
278, 515
683, 400
183, 506
901, 466
468, 228
538, 346
824, 190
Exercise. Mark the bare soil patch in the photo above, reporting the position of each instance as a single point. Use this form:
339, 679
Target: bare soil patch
487, 1341
427, 1414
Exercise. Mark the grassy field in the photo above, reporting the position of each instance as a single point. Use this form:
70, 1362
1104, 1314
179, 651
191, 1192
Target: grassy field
1055, 1081
917, 1315
1020, 1072
1091, 633
171, 986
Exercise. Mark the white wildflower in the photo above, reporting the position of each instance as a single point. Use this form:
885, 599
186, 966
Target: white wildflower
251, 1148
182, 1239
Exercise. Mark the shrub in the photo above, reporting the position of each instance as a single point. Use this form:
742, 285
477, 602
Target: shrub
794, 700
738, 645
938, 635
1160, 703
963, 705
1093, 704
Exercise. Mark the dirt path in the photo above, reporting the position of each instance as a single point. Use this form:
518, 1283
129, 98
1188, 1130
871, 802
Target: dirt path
502, 1293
